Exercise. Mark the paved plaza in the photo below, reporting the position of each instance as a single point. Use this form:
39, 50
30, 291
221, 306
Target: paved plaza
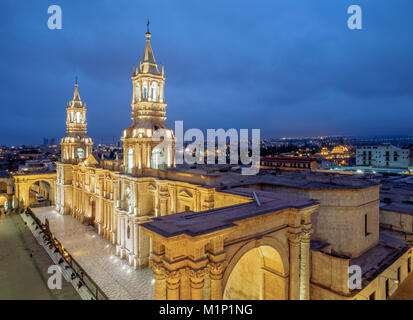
23, 277
97, 257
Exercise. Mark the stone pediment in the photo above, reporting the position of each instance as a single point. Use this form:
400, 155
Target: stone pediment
185, 194
91, 160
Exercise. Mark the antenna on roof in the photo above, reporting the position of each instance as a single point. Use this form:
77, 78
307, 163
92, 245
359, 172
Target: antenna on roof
257, 200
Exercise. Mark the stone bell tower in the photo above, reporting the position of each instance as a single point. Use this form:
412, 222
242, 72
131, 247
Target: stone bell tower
148, 115
76, 146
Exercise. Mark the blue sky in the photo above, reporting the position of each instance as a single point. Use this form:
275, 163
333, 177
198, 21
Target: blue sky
288, 67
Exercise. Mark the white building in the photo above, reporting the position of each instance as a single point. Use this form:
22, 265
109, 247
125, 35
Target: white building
382, 156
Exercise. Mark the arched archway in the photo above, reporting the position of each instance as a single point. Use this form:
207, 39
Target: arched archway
257, 274
40, 193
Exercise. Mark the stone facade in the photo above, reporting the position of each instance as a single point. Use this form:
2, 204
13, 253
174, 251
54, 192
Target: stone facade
293, 237
23, 183
236, 252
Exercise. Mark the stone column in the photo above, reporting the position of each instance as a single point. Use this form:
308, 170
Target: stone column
294, 244
160, 283
118, 229
136, 238
185, 289
173, 282
149, 149
122, 231
139, 164
163, 209
216, 271
305, 265
197, 283
9, 203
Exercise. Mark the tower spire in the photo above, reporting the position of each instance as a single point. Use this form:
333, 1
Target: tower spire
76, 146
76, 96
148, 64
148, 116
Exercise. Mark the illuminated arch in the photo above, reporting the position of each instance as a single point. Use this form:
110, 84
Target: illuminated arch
258, 270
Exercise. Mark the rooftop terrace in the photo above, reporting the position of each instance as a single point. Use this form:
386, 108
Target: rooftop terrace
195, 224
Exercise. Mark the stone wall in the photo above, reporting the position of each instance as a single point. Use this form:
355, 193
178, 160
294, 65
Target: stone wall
339, 220
398, 221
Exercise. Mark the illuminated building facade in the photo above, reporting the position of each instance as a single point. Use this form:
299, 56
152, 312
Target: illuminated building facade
117, 196
148, 116
339, 154
291, 237
76, 146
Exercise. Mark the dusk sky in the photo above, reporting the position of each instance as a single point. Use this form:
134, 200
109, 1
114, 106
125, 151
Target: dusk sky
287, 67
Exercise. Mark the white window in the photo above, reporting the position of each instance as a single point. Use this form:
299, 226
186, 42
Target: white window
80, 153
78, 117
130, 160
154, 91
157, 159
138, 92
145, 90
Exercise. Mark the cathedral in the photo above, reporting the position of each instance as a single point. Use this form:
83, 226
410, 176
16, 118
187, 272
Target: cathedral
117, 196
220, 235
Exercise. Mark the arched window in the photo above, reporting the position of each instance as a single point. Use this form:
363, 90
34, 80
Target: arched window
80, 153
145, 90
130, 160
72, 116
158, 159
78, 117
154, 91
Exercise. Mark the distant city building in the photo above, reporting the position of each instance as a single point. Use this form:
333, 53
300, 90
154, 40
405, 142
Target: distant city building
382, 156
37, 165
289, 163
340, 155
